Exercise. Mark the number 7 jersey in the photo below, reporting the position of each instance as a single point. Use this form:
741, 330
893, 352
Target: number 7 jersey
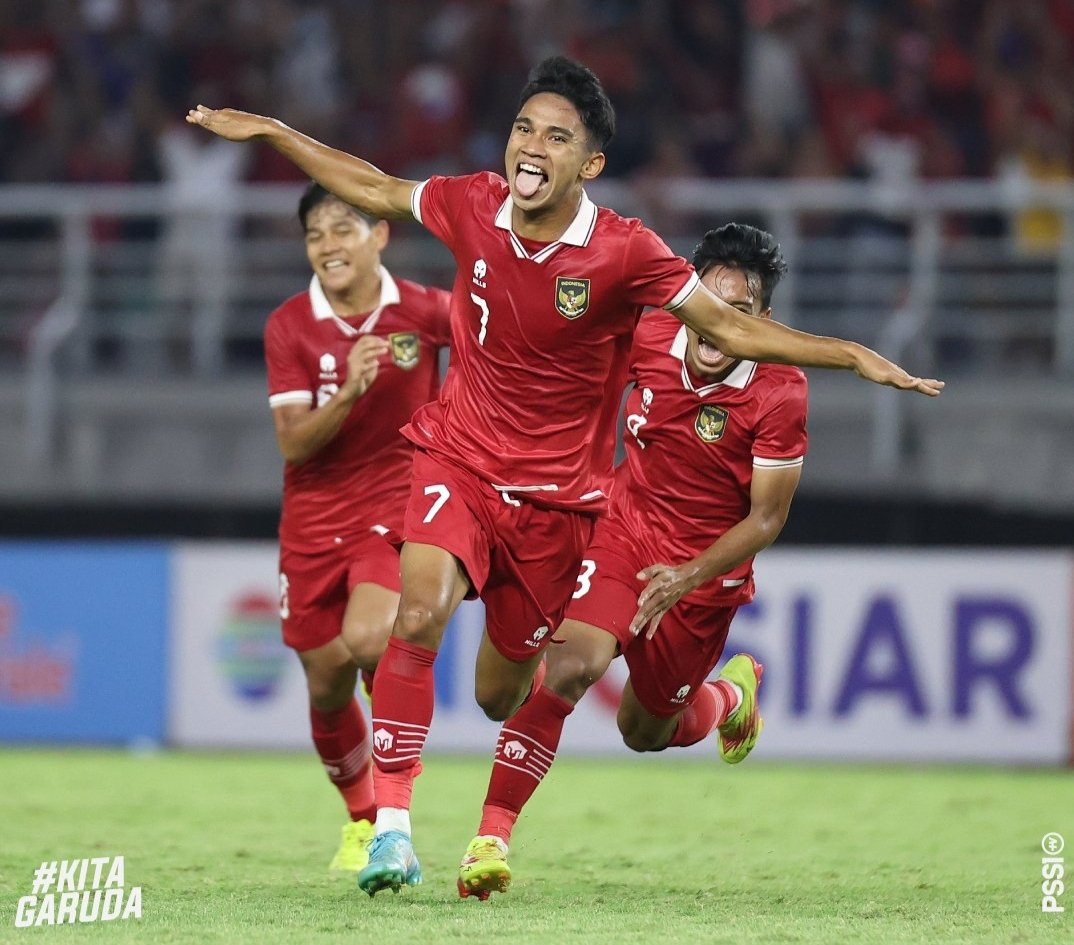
540, 339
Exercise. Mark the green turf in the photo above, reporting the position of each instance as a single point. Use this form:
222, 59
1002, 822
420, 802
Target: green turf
233, 849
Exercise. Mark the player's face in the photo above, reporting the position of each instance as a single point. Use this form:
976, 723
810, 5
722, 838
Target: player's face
548, 153
731, 285
342, 248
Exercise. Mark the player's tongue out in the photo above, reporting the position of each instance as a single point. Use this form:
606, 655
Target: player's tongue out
527, 181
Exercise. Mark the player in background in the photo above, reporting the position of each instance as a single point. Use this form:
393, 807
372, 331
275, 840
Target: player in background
348, 361
714, 451
514, 460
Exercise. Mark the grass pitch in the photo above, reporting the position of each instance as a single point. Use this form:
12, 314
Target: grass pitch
233, 849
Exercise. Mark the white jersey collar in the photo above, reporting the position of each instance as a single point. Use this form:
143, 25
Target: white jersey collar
322, 309
739, 377
577, 234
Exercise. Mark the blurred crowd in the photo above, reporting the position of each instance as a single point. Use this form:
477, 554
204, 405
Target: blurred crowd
95, 90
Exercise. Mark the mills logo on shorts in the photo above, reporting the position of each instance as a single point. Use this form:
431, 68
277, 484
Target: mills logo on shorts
405, 349
710, 422
572, 297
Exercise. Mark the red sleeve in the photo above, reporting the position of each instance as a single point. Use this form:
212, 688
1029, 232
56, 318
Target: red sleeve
652, 274
285, 372
438, 202
643, 332
440, 327
781, 425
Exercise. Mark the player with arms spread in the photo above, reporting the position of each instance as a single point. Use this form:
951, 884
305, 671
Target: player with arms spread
714, 452
514, 459
348, 361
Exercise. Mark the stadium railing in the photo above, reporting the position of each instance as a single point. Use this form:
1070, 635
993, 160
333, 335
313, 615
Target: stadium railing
130, 328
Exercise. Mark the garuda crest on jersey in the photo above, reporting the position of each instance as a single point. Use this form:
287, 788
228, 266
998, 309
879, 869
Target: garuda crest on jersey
710, 422
405, 349
572, 297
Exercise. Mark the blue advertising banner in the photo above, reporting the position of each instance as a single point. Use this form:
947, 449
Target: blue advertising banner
83, 641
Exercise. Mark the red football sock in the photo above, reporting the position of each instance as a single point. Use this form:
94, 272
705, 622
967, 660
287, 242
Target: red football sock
525, 751
403, 697
705, 714
342, 741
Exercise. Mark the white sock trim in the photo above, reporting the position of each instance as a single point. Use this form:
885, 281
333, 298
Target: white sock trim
738, 702
393, 818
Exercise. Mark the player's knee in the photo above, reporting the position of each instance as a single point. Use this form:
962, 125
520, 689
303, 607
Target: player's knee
571, 674
366, 645
421, 624
330, 689
637, 740
495, 702
637, 736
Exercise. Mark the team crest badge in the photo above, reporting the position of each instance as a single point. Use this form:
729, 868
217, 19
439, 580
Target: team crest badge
710, 422
572, 297
405, 349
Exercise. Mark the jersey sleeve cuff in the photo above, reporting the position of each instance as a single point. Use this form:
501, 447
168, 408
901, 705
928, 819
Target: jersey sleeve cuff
415, 201
291, 397
684, 293
764, 462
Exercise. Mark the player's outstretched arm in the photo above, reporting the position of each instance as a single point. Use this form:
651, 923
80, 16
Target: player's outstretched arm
760, 339
351, 179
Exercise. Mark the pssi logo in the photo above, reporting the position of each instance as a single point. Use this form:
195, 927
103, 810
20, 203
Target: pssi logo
1052, 872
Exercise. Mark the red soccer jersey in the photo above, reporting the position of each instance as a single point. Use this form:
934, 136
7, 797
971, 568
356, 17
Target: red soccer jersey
361, 478
540, 338
691, 450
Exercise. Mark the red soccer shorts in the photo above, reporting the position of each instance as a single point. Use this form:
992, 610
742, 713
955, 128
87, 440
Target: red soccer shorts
315, 588
667, 670
521, 559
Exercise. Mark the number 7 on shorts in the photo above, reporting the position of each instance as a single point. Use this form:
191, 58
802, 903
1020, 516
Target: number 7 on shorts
442, 495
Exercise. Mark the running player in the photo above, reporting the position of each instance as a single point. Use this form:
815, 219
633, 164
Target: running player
514, 459
714, 451
349, 361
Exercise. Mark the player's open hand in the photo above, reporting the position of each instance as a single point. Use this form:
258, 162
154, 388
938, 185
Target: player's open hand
666, 587
878, 369
363, 363
228, 122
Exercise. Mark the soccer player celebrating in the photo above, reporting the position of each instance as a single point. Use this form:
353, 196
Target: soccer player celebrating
514, 459
714, 451
348, 361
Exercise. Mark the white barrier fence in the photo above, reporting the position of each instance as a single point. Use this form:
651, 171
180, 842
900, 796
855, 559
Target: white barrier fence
869, 655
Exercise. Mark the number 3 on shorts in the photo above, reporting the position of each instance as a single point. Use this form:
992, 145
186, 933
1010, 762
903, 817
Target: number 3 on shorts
588, 567
442, 495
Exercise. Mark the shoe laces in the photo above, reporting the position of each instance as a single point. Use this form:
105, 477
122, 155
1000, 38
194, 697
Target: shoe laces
487, 848
384, 843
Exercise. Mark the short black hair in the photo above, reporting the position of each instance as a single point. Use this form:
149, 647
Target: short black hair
746, 248
314, 195
578, 85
